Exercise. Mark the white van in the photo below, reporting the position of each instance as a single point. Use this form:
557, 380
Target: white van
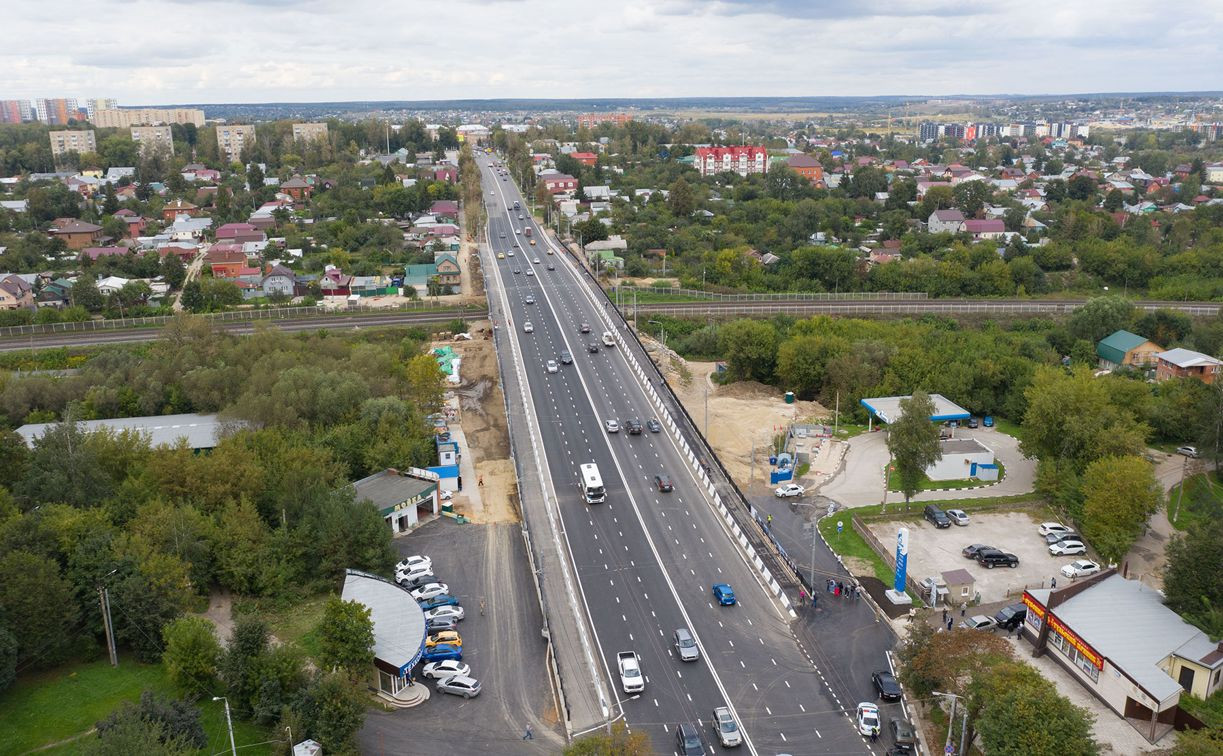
609, 339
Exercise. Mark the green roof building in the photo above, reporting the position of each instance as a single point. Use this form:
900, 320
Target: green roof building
1127, 349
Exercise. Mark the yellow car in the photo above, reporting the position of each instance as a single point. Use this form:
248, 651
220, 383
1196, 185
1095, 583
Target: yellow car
446, 636
500, 255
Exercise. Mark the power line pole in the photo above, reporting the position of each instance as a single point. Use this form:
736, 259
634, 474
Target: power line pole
229, 722
104, 601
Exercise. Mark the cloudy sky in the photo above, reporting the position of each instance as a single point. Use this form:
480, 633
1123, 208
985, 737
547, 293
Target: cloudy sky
168, 51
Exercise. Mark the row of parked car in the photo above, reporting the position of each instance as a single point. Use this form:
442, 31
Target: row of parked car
443, 654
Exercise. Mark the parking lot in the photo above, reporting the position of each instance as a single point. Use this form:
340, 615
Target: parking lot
503, 647
933, 551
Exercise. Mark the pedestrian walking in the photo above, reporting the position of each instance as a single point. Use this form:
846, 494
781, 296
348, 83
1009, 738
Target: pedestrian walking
529, 734
964, 610
1053, 582
815, 600
769, 521
949, 621
481, 482
802, 596
944, 614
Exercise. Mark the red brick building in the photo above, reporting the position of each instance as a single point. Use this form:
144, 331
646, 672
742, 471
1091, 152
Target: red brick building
178, 207
556, 183
807, 167
77, 234
1186, 363
590, 120
585, 158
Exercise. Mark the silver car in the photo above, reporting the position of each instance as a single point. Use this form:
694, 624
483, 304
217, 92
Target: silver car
685, 645
460, 685
727, 728
957, 516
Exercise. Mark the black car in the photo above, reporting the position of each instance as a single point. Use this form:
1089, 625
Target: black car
886, 685
970, 551
592, 347
585, 328
663, 482
972, 422
1010, 617
991, 558
633, 426
653, 426
566, 358
688, 741
936, 516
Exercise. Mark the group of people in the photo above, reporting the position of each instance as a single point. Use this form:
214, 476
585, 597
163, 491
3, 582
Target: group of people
841, 589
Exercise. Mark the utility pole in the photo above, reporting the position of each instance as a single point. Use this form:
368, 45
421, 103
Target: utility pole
836, 416
107, 623
1181, 491
229, 722
706, 408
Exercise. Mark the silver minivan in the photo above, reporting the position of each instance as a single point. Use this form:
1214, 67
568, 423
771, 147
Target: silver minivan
685, 645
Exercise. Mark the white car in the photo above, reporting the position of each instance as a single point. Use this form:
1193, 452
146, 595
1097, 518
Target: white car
1188, 451
429, 591
631, 679
1067, 548
1053, 527
510, 253
868, 718
612, 426
414, 575
552, 366
536, 261
527, 327
459, 685
414, 562
454, 612
978, 622
727, 728
1080, 568
789, 489
443, 669
530, 272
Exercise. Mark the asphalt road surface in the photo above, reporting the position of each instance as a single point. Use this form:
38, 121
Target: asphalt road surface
646, 560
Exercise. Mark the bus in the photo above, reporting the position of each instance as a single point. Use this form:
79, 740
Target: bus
592, 484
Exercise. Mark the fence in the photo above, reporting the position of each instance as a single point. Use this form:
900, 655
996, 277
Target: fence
878, 307
814, 296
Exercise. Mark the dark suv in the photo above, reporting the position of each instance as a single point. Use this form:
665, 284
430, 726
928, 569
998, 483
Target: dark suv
633, 426
936, 516
992, 558
1010, 617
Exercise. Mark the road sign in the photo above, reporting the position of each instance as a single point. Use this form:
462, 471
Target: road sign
950, 749
840, 526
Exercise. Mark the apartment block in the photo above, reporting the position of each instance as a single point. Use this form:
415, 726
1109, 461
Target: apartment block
93, 105
308, 132
72, 141
122, 118
56, 111
231, 140
740, 159
15, 111
153, 138
590, 120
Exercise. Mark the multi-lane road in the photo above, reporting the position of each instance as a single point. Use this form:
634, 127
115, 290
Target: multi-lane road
646, 560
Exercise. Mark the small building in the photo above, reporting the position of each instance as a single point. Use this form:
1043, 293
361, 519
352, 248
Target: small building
807, 167
1118, 640
556, 183
298, 188
585, 158
178, 207
1123, 348
15, 293
1186, 363
985, 229
960, 586
945, 222
963, 458
399, 633
278, 281
887, 409
401, 497
448, 271
77, 234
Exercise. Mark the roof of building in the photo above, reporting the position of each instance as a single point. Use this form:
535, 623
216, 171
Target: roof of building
984, 226
200, 431
957, 577
76, 227
963, 446
297, 182
948, 216
802, 161
1115, 346
1188, 358
388, 488
399, 622
887, 408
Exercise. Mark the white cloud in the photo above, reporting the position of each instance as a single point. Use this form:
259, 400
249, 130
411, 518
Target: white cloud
163, 51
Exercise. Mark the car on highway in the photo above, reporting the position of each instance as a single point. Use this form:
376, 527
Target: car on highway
1080, 568
970, 551
502, 234
688, 741
867, 718
685, 645
442, 653
551, 266
443, 600
1069, 535
429, 590
517, 271
1068, 548
536, 261
726, 727
991, 558
978, 622
886, 685
593, 347
529, 299
957, 517
1052, 527
631, 679
443, 669
1188, 451
448, 637
584, 328
724, 594
663, 482
551, 366
445, 611
609, 339
530, 272
518, 231
566, 358
413, 562
633, 426
527, 327
460, 685
500, 255
611, 426
653, 426
788, 490
511, 252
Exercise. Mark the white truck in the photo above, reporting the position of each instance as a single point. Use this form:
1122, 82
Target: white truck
631, 679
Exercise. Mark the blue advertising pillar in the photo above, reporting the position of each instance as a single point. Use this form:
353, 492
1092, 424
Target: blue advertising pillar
902, 559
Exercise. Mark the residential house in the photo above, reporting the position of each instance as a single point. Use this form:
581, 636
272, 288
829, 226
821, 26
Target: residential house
371, 286
278, 281
945, 222
447, 173
807, 167
178, 207
76, 234
226, 260
55, 294
240, 232
298, 188
112, 284
585, 158
744, 159
985, 229
335, 283
448, 271
1186, 363
1123, 348
447, 209
93, 254
16, 293
556, 183
1214, 173
183, 252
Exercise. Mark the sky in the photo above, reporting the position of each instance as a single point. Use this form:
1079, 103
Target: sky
200, 51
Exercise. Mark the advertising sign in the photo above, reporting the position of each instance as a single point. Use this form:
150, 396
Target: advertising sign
902, 559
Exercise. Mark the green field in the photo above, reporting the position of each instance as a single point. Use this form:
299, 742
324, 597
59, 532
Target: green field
62, 706
1202, 501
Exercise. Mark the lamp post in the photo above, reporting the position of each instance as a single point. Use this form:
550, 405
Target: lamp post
229, 722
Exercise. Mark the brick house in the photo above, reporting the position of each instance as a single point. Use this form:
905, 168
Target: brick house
297, 188
985, 229
16, 294
93, 254
178, 207
226, 260
807, 167
76, 234
743, 160
585, 158
240, 233
556, 183
1186, 363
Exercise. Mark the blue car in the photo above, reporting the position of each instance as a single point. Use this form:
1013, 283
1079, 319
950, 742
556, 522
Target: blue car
436, 601
442, 652
724, 594
988, 421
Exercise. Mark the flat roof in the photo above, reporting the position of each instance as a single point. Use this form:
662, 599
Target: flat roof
887, 408
399, 622
388, 488
963, 446
200, 431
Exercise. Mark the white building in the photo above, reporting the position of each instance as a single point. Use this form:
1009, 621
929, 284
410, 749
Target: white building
963, 458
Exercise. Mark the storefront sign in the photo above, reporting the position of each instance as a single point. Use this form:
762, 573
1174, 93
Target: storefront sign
1087, 651
1033, 606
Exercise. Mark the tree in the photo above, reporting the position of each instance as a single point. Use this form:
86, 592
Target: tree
240, 663
193, 296
1072, 417
1207, 741
971, 196
192, 654
346, 637
681, 198
1021, 713
749, 348
8, 658
801, 361
913, 442
84, 293
619, 742
173, 270
64, 466
1164, 327
142, 610
333, 709
177, 722
1193, 592
1119, 495
254, 177
867, 181
1100, 317
1081, 187
130, 733
36, 600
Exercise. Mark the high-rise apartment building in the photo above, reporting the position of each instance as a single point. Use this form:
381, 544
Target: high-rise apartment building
153, 138
928, 131
56, 111
72, 141
93, 105
308, 132
122, 118
15, 111
232, 139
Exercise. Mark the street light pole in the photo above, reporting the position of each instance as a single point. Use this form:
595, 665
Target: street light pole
229, 722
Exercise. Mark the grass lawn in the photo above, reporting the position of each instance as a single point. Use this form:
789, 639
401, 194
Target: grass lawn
849, 430
53, 706
1202, 501
929, 485
1002, 425
849, 543
293, 624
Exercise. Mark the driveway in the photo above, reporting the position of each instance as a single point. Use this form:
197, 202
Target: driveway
1146, 559
860, 482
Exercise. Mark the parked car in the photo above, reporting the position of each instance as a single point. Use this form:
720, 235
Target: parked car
448, 637
724, 594
958, 516
991, 558
972, 422
416, 581
460, 685
611, 426
904, 738
442, 653
663, 482
936, 516
970, 551
411, 574
436, 601
410, 563
430, 590
685, 645
886, 685
988, 421
443, 669
1008, 617
788, 490
1080, 568
726, 727
1067, 548
440, 623
688, 741
445, 611
653, 426
1053, 527
1069, 535
978, 622
1188, 451
867, 718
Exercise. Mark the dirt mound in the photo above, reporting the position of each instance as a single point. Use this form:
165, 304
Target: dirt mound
749, 390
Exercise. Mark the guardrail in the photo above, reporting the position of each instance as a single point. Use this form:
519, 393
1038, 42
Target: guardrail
230, 316
814, 296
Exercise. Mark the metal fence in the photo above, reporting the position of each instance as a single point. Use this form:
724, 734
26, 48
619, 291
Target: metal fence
812, 296
880, 307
